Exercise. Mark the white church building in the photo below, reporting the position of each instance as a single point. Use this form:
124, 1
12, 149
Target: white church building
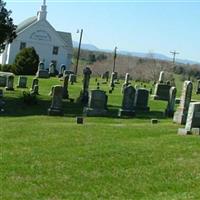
51, 45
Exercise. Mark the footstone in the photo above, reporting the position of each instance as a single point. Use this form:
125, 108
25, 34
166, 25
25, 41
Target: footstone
79, 120
154, 121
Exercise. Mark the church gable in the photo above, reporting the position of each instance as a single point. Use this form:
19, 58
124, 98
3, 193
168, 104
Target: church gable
43, 32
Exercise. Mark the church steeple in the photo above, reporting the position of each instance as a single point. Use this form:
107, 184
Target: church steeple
42, 14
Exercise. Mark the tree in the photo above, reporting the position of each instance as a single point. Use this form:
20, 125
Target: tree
26, 62
7, 28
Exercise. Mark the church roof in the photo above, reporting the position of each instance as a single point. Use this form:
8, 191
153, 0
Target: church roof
66, 37
26, 23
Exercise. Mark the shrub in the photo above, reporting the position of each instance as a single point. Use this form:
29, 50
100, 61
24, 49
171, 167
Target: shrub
6, 68
26, 62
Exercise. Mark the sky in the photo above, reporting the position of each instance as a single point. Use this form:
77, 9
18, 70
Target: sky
156, 26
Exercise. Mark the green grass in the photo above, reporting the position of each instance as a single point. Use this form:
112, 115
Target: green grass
53, 158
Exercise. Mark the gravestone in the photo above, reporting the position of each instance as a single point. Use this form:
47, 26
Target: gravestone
35, 90
193, 120
10, 82
34, 82
169, 112
1, 93
127, 108
62, 69
22, 82
42, 73
52, 69
161, 77
141, 99
112, 79
105, 75
67, 72
56, 104
65, 87
51, 92
84, 95
72, 78
161, 92
198, 87
126, 82
2, 103
97, 104
3, 80
180, 115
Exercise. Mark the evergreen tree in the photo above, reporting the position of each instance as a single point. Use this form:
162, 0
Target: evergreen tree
7, 28
26, 62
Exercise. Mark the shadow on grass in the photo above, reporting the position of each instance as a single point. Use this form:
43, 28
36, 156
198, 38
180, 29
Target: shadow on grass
16, 107
113, 113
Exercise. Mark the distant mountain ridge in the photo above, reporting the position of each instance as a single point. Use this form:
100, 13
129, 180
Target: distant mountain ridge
159, 56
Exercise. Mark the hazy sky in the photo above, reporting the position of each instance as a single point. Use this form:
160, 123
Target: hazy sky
140, 26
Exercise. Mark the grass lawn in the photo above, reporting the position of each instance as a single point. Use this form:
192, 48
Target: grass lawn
53, 158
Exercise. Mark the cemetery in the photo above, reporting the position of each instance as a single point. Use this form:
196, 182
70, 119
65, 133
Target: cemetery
84, 122
81, 138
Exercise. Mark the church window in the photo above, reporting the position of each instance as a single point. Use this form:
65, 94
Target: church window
55, 50
22, 45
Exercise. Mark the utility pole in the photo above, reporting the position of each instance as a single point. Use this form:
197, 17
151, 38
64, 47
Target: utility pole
174, 53
115, 56
78, 55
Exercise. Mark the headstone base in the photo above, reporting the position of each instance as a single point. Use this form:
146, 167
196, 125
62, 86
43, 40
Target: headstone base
10, 89
94, 112
179, 117
55, 112
169, 113
127, 113
156, 97
20, 87
196, 131
143, 109
183, 131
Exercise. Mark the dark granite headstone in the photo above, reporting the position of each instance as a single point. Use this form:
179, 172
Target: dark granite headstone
141, 99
